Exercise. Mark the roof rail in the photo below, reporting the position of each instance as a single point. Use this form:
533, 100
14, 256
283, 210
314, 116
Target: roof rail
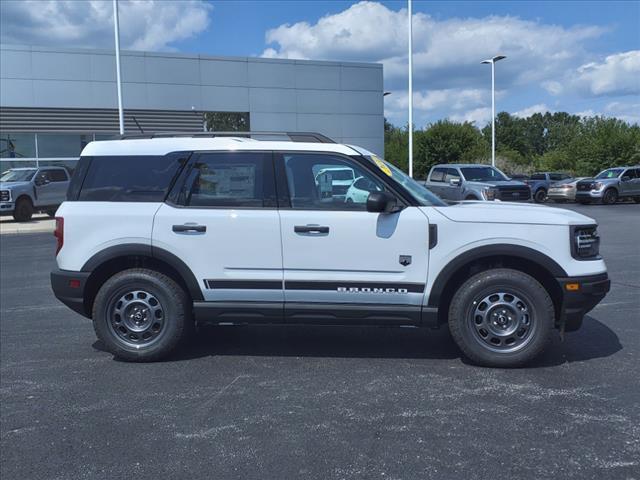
311, 137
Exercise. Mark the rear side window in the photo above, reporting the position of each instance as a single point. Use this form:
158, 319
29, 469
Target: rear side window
230, 179
129, 178
56, 175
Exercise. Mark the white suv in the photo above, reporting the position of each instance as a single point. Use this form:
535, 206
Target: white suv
159, 234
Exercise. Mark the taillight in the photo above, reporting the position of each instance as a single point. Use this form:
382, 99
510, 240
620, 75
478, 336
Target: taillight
59, 233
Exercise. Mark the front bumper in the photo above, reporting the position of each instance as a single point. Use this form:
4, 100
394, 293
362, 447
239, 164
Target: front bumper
6, 207
580, 296
68, 287
589, 194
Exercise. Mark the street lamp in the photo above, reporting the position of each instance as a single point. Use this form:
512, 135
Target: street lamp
493, 61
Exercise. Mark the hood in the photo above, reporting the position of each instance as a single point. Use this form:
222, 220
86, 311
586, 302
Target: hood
498, 183
510, 212
9, 185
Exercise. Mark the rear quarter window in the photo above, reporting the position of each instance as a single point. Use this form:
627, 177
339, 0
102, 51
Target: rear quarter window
127, 178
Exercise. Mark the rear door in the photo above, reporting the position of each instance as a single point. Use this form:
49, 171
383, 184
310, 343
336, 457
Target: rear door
336, 255
223, 223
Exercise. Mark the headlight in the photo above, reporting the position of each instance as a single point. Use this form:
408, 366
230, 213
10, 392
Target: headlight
598, 185
585, 242
490, 193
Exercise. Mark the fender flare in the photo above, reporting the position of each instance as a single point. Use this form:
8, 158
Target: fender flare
500, 249
139, 249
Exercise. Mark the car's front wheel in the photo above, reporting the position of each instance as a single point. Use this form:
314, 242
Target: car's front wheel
141, 315
501, 318
610, 196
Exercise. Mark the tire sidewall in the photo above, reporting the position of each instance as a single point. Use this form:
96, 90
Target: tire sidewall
174, 309
540, 196
610, 197
23, 210
508, 281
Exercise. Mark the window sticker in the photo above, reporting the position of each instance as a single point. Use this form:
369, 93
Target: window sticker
381, 165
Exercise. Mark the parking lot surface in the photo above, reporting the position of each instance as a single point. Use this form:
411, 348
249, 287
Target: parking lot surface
317, 402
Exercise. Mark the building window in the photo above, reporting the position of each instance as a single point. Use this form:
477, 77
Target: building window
17, 145
62, 145
227, 121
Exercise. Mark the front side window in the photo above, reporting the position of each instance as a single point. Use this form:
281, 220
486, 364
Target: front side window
328, 182
230, 179
631, 173
610, 173
56, 175
539, 176
482, 174
452, 174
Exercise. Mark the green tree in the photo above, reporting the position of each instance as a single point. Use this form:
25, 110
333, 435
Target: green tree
447, 142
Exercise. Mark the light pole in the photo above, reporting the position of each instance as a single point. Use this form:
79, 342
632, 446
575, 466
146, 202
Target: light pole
493, 61
410, 89
116, 32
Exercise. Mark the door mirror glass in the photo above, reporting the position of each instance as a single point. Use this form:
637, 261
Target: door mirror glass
382, 202
454, 182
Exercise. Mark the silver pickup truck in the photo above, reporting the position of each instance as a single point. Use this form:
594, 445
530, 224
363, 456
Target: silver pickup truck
475, 182
24, 191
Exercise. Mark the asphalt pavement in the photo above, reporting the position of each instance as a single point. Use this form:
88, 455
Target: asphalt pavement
316, 402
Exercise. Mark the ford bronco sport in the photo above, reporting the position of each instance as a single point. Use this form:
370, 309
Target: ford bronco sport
161, 233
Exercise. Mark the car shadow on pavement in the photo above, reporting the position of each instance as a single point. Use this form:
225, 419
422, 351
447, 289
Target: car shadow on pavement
594, 340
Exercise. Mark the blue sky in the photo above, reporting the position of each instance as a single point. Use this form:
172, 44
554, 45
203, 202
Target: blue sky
581, 57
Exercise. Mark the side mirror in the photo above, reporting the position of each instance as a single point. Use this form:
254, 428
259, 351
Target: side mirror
454, 182
40, 181
382, 202
625, 178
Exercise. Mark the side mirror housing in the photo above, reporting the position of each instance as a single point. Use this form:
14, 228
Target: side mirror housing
382, 202
454, 182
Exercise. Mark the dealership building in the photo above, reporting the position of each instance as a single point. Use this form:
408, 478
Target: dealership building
54, 101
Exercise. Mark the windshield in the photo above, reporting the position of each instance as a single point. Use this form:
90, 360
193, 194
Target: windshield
17, 175
482, 174
417, 191
610, 173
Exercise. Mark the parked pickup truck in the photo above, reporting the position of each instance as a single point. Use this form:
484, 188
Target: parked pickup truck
24, 191
541, 181
475, 182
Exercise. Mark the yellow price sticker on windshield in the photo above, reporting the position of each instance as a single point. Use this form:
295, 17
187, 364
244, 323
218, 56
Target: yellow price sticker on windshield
381, 165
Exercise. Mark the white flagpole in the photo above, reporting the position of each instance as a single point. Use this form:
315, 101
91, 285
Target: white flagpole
410, 91
118, 82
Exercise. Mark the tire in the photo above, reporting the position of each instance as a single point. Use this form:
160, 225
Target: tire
144, 304
505, 294
540, 196
610, 196
23, 210
471, 197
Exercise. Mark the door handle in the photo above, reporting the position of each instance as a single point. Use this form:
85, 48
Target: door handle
189, 227
311, 229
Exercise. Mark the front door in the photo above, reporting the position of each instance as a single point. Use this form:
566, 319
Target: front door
340, 260
225, 227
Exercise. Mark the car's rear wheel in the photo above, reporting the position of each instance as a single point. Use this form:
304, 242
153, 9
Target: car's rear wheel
501, 318
540, 195
471, 198
610, 196
23, 210
141, 315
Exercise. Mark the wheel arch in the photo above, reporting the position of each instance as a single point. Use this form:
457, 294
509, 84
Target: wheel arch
112, 260
525, 259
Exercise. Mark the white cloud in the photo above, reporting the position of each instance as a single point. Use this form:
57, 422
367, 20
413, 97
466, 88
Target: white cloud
627, 111
480, 116
618, 74
553, 87
527, 112
447, 53
586, 113
144, 25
